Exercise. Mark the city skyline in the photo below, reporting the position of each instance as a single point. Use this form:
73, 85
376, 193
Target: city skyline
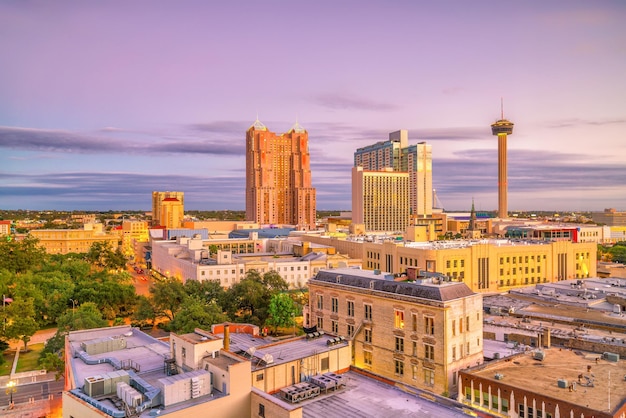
103, 103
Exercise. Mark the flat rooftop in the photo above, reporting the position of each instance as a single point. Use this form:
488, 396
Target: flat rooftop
542, 377
256, 348
143, 350
366, 397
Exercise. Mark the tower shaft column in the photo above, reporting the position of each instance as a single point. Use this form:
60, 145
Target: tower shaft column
503, 210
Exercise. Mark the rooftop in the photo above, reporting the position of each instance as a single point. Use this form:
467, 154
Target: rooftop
592, 384
365, 279
366, 397
263, 352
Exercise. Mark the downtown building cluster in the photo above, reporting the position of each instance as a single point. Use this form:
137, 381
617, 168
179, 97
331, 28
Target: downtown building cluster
405, 311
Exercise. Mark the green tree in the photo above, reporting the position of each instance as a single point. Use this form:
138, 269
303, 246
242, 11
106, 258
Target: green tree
53, 293
282, 311
207, 290
618, 252
86, 316
145, 313
4, 346
21, 256
167, 297
52, 362
274, 283
21, 323
102, 256
197, 314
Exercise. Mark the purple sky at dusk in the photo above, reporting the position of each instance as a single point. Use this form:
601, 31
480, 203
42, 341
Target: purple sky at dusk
103, 102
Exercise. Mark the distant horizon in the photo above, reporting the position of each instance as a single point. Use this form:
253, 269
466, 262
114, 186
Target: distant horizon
511, 212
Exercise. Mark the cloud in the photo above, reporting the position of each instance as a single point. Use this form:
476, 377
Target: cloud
348, 101
576, 122
101, 191
83, 143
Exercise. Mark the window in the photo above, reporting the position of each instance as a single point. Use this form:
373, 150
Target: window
368, 336
262, 410
414, 316
320, 301
335, 305
335, 327
320, 323
429, 377
350, 330
324, 364
260, 377
429, 325
350, 308
429, 351
367, 357
453, 327
454, 353
414, 348
184, 352
467, 323
368, 312
400, 344
399, 319
414, 372
399, 367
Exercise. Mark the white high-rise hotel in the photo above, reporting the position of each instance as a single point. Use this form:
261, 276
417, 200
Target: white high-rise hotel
398, 156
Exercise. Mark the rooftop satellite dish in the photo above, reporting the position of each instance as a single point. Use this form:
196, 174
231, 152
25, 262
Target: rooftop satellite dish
268, 359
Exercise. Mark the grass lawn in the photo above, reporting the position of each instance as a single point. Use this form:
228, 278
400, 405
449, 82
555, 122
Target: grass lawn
5, 369
29, 361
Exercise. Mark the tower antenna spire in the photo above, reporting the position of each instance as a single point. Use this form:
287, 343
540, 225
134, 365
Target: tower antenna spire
501, 108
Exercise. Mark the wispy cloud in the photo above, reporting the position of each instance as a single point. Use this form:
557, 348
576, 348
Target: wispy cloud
85, 143
349, 101
575, 122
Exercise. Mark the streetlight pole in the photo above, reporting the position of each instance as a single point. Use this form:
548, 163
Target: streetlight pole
11, 389
74, 302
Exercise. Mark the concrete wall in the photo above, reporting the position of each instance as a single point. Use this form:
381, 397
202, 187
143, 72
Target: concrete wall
264, 405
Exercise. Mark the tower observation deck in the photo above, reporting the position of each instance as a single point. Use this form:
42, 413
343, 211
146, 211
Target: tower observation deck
502, 128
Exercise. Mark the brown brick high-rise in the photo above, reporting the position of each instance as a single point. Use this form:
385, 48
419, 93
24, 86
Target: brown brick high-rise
278, 177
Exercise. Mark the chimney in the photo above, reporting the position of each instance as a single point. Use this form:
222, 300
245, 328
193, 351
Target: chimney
226, 337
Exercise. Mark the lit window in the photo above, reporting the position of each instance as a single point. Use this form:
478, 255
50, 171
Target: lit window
399, 319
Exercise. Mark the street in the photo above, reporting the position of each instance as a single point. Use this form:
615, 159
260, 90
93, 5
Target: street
38, 391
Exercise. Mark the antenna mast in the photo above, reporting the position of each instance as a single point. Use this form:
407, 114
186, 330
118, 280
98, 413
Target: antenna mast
501, 108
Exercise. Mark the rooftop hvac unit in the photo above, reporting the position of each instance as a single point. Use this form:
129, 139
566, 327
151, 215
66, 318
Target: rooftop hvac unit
499, 376
562, 383
611, 356
94, 386
195, 387
539, 355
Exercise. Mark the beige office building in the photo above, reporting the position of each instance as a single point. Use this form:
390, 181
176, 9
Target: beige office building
168, 209
396, 154
494, 265
380, 200
64, 241
417, 334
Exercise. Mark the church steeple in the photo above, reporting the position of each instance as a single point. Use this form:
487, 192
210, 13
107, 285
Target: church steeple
472, 231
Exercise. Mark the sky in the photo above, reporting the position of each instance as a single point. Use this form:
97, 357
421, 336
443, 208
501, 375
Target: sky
102, 103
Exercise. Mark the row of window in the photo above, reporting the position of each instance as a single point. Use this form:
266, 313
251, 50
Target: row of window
521, 270
427, 328
518, 259
514, 282
429, 374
